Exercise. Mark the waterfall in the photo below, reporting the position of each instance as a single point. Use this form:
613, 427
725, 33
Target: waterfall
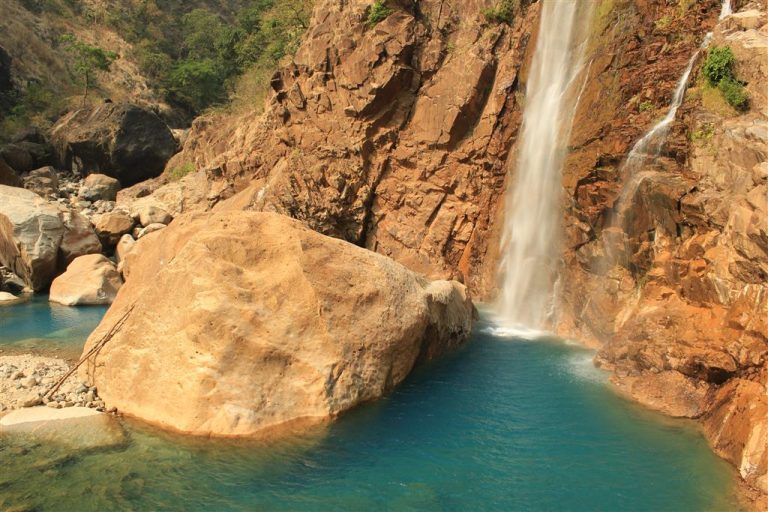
530, 244
726, 10
651, 144
653, 141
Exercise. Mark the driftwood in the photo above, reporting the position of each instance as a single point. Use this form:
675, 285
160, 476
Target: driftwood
96, 348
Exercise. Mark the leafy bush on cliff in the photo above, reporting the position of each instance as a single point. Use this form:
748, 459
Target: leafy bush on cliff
734, 93
719, 64
377, 13
718, 69
503, 12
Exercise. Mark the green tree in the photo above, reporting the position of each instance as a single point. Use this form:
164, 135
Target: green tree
87, 60
196, 83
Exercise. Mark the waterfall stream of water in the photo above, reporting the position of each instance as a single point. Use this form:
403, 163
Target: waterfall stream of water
726, 10
650, 145
531, 234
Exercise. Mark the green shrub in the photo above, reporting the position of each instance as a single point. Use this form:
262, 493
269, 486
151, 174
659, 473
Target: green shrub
645, 106
378, 12
718, 69
704, 134
719, 64
503, 12
733, 92
180, 171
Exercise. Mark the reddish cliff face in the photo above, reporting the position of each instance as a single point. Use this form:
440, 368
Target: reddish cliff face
393, 136
670, 280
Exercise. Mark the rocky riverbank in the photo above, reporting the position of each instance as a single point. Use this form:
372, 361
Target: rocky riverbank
25, 379
59, 202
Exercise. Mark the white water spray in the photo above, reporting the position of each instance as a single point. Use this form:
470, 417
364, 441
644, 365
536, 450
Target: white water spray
726, 10
531, 234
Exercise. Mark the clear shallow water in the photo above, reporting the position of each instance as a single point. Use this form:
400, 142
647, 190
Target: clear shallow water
498, 425
39, 325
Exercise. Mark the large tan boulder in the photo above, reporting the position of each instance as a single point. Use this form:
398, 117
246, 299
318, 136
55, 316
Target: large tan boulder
30, 233
91, 279
236, 322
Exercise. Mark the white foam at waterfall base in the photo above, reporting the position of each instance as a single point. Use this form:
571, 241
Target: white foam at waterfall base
531, 239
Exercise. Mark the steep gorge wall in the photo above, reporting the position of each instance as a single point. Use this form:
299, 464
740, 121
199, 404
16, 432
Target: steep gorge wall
394, 137
674, 291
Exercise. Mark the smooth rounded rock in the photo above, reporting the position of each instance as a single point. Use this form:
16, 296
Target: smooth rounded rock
89, 280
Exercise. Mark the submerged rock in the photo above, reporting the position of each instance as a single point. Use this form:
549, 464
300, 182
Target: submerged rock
8, 298
89, 280
247, 321
75, 427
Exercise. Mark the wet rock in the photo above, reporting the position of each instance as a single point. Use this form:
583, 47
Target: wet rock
89, 280
75, 427
8, 298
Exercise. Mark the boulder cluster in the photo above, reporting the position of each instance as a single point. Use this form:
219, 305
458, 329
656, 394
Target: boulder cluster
59, 214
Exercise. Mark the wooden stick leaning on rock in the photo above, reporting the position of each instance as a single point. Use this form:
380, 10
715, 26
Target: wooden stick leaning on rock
96, 348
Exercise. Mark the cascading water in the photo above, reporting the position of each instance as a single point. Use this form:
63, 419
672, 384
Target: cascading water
531, 234
651, 144
726, 10
653, 141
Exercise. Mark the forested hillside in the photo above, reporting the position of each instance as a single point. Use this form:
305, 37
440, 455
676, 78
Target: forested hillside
178, 57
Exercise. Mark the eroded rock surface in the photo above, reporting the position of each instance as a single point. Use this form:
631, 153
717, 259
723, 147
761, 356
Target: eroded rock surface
666, 268
257, 321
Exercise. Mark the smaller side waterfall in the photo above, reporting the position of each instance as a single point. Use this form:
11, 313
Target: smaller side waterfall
653, 141
650, 145
726, 10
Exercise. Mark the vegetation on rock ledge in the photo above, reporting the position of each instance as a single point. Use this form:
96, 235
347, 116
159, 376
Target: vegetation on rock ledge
718, 69
377, 13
